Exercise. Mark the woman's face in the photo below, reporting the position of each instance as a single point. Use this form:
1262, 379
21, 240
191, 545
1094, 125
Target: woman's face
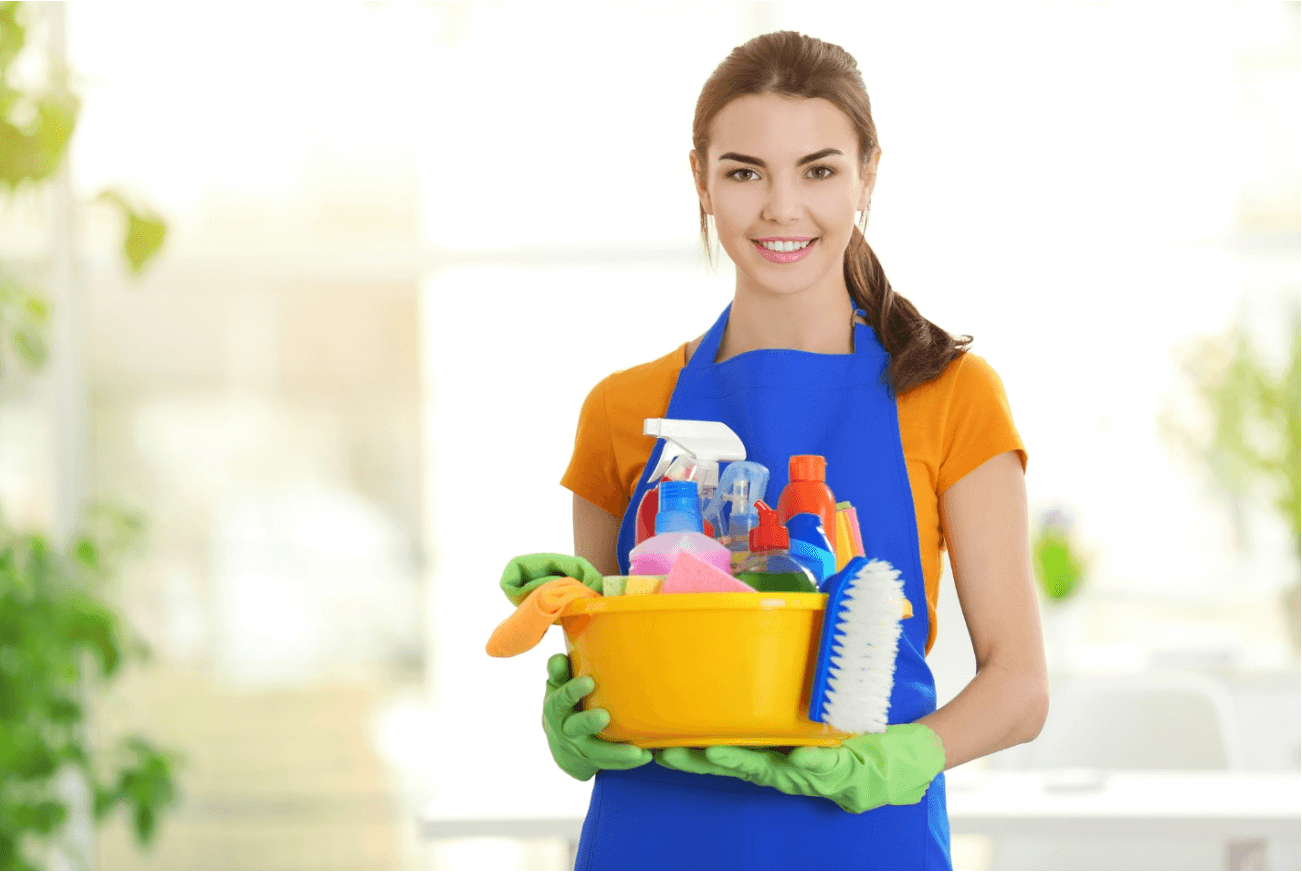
783, 172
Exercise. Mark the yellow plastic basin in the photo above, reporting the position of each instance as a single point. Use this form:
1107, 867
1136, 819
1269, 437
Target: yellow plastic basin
697, 669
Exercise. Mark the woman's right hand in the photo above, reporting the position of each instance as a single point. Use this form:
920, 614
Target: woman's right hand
572, 734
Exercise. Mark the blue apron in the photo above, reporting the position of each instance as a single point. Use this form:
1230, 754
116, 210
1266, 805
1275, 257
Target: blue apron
785, 402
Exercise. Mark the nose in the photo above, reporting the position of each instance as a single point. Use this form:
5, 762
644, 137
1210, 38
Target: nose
783, 203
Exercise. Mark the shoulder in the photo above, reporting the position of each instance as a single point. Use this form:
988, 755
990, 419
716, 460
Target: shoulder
649, 374
975, 382
637, 392
968, 370
966, 374
967, 388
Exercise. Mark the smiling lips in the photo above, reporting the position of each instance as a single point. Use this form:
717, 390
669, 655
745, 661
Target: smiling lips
784, 250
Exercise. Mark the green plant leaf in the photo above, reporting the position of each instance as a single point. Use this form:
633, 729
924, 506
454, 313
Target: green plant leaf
148, 786
10, 703
10, 858
35, 308
144, 234
105, 800
93, 625
85, 552
31, 346
42, 817
64, 710
13, 35
34, 154
34, 760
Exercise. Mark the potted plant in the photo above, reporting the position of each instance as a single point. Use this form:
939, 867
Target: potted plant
1061, 568
1249, 451
59, 634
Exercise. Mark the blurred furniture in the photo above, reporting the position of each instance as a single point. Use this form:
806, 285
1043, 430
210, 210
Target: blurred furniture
1079, 817
1160, 721
1125, 808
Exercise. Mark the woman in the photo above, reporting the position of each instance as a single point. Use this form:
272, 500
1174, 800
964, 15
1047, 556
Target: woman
815, 355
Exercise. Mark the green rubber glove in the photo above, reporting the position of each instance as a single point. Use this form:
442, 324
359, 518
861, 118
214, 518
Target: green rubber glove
866, 771
572, 734
529, 571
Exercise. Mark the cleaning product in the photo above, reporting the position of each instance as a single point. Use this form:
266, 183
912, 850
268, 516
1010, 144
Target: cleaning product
690, 575
732, 508
741, 484
855, 670
656, 555
692, 452
807, 490
809, 545
770, 566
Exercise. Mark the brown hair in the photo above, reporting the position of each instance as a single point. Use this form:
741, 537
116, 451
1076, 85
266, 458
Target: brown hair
795, 65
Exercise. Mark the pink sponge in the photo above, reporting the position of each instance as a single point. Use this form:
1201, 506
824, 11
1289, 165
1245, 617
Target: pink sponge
692, 575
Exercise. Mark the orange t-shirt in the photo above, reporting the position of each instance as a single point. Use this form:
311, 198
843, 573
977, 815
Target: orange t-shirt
948, 426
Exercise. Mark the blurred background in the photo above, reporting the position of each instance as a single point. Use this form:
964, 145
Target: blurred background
403, 240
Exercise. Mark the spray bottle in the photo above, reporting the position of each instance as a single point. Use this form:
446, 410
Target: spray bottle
692, 452
731, 510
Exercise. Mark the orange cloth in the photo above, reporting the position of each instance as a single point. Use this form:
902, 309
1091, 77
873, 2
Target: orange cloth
529, 622
948, 426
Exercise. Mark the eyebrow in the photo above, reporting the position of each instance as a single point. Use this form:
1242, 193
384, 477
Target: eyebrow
809, 158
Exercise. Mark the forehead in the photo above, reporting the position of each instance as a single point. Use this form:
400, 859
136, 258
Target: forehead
780, 128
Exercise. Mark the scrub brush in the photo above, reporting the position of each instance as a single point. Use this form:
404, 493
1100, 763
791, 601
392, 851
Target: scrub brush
856, 655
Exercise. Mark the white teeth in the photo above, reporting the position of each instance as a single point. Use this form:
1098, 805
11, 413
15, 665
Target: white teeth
785, 246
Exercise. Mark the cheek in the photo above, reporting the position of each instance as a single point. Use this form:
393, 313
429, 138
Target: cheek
836, 213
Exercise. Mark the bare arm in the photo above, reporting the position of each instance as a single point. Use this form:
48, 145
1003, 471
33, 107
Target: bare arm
595, 533
984, 517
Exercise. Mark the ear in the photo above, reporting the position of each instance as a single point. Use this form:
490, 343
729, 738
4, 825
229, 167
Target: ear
869, 179
698, 179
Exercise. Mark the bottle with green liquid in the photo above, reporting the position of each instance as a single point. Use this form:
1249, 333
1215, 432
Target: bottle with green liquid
770, 566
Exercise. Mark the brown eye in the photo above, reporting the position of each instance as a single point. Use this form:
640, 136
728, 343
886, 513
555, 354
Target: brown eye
827, 172
733, 174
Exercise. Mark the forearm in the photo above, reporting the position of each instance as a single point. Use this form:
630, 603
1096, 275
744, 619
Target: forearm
999, 708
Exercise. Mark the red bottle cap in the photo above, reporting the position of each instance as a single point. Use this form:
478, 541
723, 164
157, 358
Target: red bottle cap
770, 535
808, 467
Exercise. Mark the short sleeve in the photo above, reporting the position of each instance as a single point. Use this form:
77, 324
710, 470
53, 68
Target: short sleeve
593, 472
978, 423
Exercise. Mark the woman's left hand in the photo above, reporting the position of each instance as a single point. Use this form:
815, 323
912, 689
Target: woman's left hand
864, 772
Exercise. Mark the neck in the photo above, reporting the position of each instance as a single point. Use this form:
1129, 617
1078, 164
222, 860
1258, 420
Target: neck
822, 326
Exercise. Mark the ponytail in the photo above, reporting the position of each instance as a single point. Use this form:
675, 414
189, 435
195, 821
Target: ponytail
919, 349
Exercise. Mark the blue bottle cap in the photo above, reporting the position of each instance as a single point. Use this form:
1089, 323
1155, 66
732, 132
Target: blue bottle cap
680, 507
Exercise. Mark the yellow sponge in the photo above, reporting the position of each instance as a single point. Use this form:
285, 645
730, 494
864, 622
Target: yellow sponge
640, 585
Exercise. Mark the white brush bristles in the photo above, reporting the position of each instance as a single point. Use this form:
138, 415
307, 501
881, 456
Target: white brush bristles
862, 669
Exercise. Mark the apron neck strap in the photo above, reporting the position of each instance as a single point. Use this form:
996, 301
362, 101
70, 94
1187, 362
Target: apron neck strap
708, 350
